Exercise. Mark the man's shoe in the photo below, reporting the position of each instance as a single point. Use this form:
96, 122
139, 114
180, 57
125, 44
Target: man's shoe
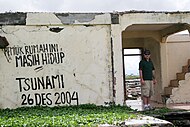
146, 108
151, 108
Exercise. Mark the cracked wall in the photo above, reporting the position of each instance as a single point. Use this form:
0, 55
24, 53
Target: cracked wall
55, 64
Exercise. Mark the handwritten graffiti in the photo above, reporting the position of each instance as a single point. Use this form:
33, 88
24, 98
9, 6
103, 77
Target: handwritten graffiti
37, 99
31, 49
46, 98
36, 59
36, 90
42, 48
38, 83
35, 55
66, 97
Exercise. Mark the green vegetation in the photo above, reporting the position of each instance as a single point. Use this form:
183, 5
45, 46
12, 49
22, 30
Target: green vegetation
131, 76
72, 116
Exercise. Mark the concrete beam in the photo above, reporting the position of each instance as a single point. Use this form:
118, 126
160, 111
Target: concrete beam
174, 29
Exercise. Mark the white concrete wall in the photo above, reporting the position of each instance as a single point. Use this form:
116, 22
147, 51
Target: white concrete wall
78, 69
177, 54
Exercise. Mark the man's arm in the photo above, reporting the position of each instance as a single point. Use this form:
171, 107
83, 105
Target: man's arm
141, 77
153, 76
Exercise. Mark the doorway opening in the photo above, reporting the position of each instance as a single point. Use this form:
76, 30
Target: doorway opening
132, 88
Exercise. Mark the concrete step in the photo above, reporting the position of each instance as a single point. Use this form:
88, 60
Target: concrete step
174, 83
168, 90
180, 76
188, 62
186, 69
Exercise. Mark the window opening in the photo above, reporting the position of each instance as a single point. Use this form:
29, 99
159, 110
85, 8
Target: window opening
132, 58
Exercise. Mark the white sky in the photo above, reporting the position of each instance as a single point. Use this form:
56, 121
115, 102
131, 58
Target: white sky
131, 62
92, 5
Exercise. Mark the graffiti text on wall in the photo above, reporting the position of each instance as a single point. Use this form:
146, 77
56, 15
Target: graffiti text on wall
35, 55
45, 98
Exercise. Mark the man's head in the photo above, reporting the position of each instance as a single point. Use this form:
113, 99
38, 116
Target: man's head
146, 54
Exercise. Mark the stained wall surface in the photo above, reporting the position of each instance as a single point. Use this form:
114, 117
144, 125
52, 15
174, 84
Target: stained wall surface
49, 63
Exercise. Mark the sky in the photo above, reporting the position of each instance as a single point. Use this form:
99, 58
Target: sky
65, 6
131, 63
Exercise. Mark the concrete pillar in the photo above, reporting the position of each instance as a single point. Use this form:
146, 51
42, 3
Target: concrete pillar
117, 63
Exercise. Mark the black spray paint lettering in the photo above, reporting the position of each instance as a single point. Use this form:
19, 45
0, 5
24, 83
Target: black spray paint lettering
34, 55
37, 99
38, 68
52, 58
39, 59
39, 83
27, 60
13, 51
43, 99
60, 98
10, 51
66, 97
42, 48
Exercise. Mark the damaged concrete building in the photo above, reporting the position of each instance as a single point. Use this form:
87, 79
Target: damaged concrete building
77, 58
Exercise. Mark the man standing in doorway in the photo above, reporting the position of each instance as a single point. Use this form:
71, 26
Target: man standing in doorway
147, 79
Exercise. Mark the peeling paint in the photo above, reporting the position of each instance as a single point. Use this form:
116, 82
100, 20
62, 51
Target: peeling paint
3, 42
56, 30
71, 18
115, 18
12, 18
88, 25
